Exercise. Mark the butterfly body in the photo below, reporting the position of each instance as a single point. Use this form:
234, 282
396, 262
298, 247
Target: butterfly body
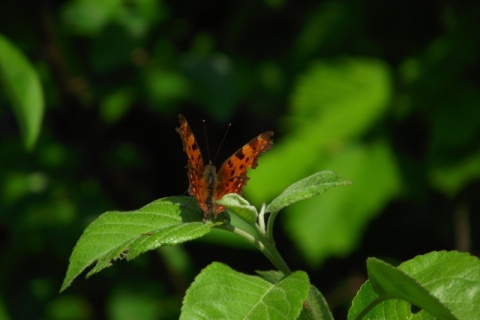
207, 184
210, 176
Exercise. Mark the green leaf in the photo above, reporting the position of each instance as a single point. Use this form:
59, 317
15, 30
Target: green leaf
306, 188
3, 310
392, 283
366, 298
87, 17
272, 276
126, 304
316, 307
333, 223
219, 292
239, 206
351, 91
22, 88
450, 179
116, 105
332, 103
116, 235
444, 284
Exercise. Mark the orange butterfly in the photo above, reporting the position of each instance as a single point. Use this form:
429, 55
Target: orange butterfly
206, 183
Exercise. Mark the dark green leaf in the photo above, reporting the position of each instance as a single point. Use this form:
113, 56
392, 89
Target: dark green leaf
23, 90
452, 178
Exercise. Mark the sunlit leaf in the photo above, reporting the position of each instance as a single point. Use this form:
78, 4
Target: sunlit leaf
219, 292
117, 235
307, 188
443, 284
239, 206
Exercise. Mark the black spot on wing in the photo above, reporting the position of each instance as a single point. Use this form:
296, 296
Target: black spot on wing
239, 154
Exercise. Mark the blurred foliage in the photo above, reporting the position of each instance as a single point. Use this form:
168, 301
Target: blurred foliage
22, 86
385, 94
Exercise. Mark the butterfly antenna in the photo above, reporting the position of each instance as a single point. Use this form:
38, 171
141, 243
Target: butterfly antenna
223, 139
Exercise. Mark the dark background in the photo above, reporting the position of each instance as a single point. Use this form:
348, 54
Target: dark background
116, 75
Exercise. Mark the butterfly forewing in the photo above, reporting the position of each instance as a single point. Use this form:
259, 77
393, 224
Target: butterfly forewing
232, 175
195, 166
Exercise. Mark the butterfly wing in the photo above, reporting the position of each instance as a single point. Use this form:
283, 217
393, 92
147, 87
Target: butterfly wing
232, 175
195, 167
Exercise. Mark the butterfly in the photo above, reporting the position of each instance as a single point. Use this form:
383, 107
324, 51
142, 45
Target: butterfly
206, 183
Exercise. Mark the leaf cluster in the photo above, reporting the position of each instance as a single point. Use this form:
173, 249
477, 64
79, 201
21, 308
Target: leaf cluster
442, 284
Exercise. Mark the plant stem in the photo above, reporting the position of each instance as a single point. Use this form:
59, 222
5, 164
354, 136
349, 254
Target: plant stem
271, 220
274, 256
268, 249
261, 219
